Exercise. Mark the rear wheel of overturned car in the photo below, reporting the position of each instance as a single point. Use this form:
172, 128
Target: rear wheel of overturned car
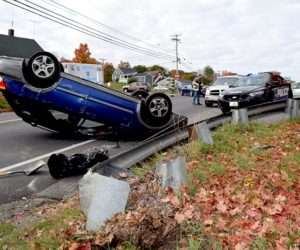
158, 109
42, 70
140, 94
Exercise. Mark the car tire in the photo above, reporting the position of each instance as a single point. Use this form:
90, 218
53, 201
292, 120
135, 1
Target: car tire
158, 109
42, 70
140, 94
208, 104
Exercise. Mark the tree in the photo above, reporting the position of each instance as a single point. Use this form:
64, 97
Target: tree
108, 70
158, 68
140, 68
208, 72
83, 55
124, 64
64, 60
228, 73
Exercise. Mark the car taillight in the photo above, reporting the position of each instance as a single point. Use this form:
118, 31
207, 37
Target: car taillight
2, 84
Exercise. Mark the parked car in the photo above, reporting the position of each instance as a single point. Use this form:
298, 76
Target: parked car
188, 90
296, 89
219, 85
255, 89
134, 86
161, 88
42, 95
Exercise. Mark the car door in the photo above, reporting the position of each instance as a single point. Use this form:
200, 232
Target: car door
280, 89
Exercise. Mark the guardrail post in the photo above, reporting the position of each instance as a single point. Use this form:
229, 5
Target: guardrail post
295, 108
240, 116
203, 132
288, 106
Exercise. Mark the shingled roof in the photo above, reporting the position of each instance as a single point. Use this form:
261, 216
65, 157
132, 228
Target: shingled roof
18, 46
128, 70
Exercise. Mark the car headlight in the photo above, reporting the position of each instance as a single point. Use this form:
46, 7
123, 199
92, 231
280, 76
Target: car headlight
257, 93
207, 92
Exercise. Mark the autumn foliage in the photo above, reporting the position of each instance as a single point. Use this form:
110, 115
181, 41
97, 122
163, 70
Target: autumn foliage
83, 55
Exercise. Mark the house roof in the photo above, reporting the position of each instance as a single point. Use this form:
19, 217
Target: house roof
141, 74
127, 71
18, 46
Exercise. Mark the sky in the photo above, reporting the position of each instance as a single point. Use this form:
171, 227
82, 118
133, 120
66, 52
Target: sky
242, 36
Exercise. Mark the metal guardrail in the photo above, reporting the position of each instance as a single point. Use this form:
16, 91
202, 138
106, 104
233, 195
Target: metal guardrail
157, 143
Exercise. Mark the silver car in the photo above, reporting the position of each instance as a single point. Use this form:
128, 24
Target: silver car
296, 89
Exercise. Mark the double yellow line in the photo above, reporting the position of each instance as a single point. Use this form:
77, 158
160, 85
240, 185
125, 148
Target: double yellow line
12, 120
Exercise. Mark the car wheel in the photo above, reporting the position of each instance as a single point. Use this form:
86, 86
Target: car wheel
158, 109
42, 70
140, 94
208, 104
125, 90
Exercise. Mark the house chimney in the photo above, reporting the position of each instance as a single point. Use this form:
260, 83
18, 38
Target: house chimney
11, 32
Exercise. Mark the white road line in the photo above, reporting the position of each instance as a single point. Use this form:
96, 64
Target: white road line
44, 156
12, 120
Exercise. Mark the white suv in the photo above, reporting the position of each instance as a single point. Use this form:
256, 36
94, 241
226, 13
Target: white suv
220, 84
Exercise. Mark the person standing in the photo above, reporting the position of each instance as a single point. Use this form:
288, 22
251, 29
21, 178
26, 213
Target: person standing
197, 87
172, 88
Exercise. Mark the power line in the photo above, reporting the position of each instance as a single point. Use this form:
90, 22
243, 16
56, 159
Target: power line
102, 24
107, 36
85, 31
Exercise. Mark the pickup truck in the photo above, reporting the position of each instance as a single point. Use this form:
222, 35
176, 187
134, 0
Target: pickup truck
43, 95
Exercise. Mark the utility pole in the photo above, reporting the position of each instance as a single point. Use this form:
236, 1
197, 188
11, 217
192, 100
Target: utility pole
176, 39
34, 22
102, 64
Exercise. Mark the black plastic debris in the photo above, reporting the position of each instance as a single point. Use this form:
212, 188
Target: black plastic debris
61, 166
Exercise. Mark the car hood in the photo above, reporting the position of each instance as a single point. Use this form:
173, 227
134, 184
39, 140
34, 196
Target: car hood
243, 90
218, 87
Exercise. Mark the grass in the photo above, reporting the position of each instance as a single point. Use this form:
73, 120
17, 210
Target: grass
44, 234
115, 85
3, 102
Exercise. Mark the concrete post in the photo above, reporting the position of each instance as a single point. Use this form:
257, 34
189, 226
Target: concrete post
295, 108
288, 106
240, 116
203, 132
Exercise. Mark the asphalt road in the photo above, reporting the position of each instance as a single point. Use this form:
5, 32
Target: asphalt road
22, 145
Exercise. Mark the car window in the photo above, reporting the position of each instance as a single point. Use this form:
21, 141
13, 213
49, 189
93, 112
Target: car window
225, 81
296, 85
253, 80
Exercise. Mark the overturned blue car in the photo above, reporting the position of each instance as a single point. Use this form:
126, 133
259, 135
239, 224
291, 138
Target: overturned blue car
43, 95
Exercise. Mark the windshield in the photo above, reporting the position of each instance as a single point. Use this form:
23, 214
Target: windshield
295, 85
253, 80
225, 81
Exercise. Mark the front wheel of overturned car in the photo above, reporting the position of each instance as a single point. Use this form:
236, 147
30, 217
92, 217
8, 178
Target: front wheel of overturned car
158, 109
42, 70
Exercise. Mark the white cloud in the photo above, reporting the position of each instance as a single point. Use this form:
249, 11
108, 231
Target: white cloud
237, 35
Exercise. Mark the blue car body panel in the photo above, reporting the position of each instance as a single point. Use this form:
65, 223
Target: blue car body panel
80, 97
